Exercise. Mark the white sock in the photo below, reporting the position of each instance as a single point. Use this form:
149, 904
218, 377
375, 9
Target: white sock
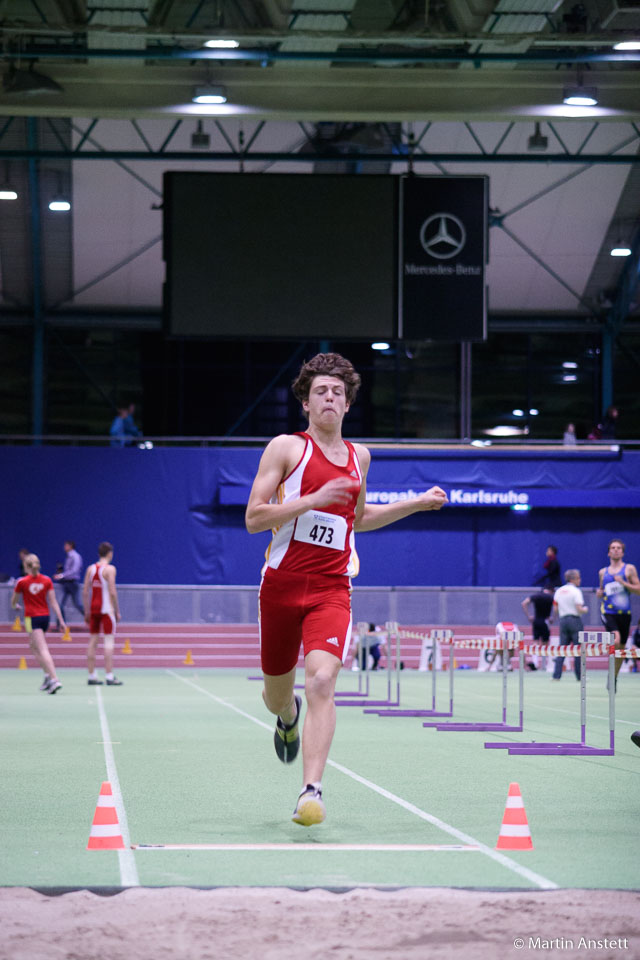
93, 675
109, 676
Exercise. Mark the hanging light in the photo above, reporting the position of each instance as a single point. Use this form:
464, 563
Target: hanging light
576, 95
209, 93
60, 202
221, 44
627, 45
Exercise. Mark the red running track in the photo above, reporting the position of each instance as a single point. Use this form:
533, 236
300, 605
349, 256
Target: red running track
211, 645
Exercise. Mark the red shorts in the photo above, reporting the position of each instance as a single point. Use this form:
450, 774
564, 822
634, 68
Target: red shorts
102, 623
296, 609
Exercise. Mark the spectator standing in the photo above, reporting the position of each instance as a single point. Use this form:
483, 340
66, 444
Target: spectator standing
569, 603
123, 429
23, 553
70, 576
371, 644
550, 577
607, 429
542, 604
569, 435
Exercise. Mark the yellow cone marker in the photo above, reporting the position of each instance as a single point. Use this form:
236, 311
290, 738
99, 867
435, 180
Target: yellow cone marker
17, 627
127, 646
188, 660
23, 664
66, 636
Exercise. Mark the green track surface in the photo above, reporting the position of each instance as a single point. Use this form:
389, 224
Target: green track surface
191, 768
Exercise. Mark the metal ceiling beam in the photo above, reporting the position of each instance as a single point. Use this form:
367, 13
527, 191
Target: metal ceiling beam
356, 157
266, 55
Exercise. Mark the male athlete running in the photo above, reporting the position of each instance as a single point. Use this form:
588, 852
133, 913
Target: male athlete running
310, 491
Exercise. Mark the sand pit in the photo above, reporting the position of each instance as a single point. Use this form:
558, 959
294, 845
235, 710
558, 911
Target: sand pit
273, 923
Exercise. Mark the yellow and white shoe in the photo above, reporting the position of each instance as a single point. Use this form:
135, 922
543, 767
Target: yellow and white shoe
309, 809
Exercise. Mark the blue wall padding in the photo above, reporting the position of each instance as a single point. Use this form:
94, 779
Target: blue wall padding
176, 515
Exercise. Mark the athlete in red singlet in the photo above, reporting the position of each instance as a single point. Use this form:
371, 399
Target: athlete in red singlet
37, 593
310, 491
101, 612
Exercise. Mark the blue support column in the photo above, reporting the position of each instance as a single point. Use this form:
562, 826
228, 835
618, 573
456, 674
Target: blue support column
606, 367
37, 366
625, 295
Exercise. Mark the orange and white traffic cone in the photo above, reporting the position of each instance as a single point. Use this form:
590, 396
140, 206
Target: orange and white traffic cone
105, 829
514, 832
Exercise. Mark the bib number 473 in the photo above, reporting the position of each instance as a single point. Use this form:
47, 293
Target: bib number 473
321, 534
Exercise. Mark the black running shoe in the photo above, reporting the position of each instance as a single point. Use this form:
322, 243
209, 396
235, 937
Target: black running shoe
45, 683
94, 683
287, 738
635, 736
114, 682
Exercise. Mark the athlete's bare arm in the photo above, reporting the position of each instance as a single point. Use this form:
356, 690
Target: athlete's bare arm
632, 584
601, 573
109, 574
53, 602
278, 460
372, 516
85, 594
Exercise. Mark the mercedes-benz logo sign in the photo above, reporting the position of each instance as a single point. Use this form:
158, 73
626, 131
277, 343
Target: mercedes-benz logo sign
443, 236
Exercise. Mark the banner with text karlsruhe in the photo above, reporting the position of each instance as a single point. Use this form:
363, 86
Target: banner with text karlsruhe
442, 258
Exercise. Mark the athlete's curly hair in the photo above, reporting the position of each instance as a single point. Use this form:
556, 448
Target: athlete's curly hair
326, 365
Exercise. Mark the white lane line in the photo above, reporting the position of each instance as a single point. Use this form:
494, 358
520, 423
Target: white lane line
341, 847
126, 857
535, 878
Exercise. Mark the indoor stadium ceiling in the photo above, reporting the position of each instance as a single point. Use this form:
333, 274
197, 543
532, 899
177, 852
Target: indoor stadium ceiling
357, 60
443, 86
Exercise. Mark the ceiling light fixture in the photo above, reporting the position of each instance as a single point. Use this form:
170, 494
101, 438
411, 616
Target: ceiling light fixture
380, 345
575, 95
620, 251
220, 44
570, 365
627, 45
209, 93
503, 430
518, 412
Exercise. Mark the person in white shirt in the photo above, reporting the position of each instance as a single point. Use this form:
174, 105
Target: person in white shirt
569, 604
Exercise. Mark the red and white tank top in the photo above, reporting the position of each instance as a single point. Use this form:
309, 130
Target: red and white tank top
318, 541
34, 591
100, 599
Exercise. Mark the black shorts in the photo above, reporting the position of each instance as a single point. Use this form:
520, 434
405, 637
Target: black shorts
541, 631
620, 622
36, 623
